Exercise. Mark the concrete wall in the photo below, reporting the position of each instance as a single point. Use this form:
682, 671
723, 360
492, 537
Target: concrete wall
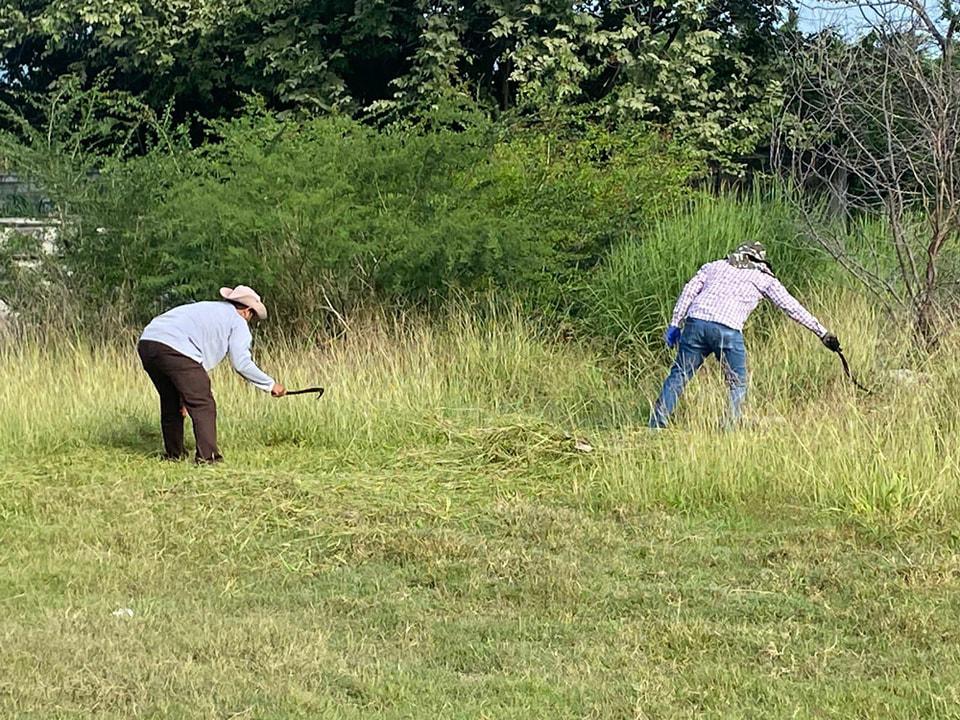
44, 233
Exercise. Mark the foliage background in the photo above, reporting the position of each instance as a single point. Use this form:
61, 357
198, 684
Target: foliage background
705, 69
326, 214
338, 155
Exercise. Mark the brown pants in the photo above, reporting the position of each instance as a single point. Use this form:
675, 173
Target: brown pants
181, 382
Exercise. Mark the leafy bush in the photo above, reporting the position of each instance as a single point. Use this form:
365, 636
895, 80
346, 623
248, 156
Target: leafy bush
580, 194
324, 215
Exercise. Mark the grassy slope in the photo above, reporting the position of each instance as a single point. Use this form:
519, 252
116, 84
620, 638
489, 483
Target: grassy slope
425, 541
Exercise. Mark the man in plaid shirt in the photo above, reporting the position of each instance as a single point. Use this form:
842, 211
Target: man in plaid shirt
713, 308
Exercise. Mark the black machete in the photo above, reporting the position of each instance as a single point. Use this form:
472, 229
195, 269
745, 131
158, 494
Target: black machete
317, 390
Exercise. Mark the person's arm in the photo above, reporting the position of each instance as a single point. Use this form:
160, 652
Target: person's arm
242, 362
687, 296
776, 293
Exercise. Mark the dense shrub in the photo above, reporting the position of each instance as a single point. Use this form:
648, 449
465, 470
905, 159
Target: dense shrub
324, 215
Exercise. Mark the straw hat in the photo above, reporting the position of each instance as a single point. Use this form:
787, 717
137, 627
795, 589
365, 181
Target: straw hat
245, 296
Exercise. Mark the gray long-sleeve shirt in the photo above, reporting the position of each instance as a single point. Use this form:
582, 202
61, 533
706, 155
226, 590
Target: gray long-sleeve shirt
207, 332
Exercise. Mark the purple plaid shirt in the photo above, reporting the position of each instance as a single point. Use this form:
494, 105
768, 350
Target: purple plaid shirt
722, 293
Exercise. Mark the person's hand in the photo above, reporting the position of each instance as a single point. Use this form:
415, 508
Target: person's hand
831, 342
278, 390
183, 411
672, 336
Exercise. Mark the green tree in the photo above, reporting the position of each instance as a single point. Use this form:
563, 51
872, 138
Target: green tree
205, 55
701, 67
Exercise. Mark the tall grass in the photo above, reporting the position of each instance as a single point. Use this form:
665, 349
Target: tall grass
635, 288
470, 393
474, 522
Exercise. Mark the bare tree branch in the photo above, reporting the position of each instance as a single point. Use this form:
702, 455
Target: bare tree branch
876, 120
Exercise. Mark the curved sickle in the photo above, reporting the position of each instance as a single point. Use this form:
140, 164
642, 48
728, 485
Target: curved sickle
317, 390
846, 370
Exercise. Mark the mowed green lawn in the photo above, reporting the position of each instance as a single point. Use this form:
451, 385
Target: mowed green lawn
295, 583
427, 541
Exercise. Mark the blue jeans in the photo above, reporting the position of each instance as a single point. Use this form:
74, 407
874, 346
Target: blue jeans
699, 340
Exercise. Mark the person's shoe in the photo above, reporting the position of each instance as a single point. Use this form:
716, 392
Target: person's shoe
216, 459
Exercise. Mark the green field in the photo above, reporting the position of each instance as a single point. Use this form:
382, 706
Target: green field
427, 541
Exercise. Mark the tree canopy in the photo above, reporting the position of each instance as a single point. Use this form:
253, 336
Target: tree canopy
701, 67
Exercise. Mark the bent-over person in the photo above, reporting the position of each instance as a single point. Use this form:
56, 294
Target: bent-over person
179, 348
713, 308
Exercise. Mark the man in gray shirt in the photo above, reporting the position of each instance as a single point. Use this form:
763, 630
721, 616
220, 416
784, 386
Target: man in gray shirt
180, 346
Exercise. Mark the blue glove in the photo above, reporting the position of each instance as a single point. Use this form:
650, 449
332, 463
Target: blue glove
672, 336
